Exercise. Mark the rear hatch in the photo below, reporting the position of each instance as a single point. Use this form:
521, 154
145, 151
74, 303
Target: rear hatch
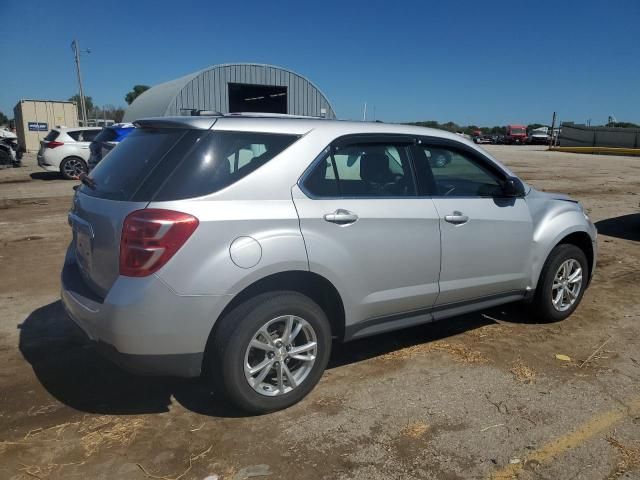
51, 136
117, 186
160, 161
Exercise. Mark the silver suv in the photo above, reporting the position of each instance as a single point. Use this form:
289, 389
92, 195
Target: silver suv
240, 245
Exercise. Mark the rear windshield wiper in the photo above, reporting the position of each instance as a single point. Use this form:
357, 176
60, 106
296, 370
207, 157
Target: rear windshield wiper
88, 181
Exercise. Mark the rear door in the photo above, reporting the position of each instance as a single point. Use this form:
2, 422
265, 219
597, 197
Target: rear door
367, 230
486, 238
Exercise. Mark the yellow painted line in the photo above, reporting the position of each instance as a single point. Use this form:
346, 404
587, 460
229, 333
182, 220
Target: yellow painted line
573, 439
611, 150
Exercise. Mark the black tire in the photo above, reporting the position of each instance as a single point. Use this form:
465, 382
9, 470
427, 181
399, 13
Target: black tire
5, 158
226, 352
543, 301
76, 161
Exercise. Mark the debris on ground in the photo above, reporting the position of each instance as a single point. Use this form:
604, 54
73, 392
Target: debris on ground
630, 458
563, 358
414, 430
459, 352
522, 372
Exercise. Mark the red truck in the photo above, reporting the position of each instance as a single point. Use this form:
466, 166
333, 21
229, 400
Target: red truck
515, 134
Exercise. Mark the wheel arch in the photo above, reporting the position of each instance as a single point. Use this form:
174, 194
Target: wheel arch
311, 284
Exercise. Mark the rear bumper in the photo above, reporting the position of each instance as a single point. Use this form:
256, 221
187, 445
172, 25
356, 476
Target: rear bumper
47, 164
142, 325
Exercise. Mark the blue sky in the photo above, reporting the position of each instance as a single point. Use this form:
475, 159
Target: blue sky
487, 63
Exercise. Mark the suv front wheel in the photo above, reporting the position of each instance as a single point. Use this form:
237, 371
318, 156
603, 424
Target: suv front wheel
562, 283
270, 351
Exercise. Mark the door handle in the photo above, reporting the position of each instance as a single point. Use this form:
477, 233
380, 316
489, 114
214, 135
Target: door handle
341, 217
457, 218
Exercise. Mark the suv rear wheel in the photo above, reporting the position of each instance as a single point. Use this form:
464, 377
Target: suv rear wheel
562, 283
72, 167
270, 351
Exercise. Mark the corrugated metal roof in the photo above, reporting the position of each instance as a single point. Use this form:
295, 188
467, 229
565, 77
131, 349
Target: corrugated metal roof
208, 89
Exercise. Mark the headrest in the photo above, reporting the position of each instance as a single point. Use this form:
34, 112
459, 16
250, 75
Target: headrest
374, 167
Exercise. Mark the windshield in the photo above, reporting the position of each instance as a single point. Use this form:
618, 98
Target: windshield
517, 131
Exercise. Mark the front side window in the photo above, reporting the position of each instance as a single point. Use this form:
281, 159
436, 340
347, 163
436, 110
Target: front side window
363, 170
450, 172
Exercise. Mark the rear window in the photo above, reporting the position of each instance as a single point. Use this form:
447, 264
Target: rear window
119, 175
51, 136
173, 164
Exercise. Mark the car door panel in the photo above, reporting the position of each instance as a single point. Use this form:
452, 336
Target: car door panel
486, 237
368, 232
489, 253
387, 261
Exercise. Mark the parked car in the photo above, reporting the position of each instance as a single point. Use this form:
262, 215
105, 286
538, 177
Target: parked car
106, 140
10, 153
240, 246
539, 136
66, 150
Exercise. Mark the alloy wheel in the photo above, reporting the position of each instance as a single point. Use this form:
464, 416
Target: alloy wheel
73, 168
567, 284
280, 355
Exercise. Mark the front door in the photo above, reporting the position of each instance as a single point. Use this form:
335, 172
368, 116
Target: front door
486, 238
368, 232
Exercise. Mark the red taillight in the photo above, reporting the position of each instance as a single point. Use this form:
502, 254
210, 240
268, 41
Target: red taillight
53, 144
150, 238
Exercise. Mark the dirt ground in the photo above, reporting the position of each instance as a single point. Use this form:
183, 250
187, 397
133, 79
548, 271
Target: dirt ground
479, 396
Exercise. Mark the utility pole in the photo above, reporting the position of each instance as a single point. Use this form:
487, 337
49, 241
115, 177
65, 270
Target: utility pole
75, 46
364, 112
553, 127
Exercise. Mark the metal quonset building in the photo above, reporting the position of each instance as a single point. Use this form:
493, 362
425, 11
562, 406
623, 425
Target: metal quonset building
241, 87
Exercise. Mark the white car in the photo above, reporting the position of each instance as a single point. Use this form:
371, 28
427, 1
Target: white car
66, 150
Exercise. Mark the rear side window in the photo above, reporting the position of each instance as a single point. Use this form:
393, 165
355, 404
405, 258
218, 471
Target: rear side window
363, 170
173, 164
75, 135
89, 135
51, 136
220, 159
121, 173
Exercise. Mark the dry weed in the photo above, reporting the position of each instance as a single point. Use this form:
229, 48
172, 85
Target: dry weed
414, 430
522, 372
459, 352
107, 431
630, 457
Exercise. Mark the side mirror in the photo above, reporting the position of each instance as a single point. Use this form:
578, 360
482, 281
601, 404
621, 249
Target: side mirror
513, 187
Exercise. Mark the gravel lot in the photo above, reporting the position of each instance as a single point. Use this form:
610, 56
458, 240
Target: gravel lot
479, 396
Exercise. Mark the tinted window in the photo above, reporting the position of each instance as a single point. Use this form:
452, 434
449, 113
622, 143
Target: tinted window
75, 135
89, 135
363, 170
51, 136
106, 135
220, 159
119, 175
448, 172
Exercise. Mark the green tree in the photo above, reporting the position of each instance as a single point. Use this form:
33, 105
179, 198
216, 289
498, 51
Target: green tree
4, 120
88, 102
135, 93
